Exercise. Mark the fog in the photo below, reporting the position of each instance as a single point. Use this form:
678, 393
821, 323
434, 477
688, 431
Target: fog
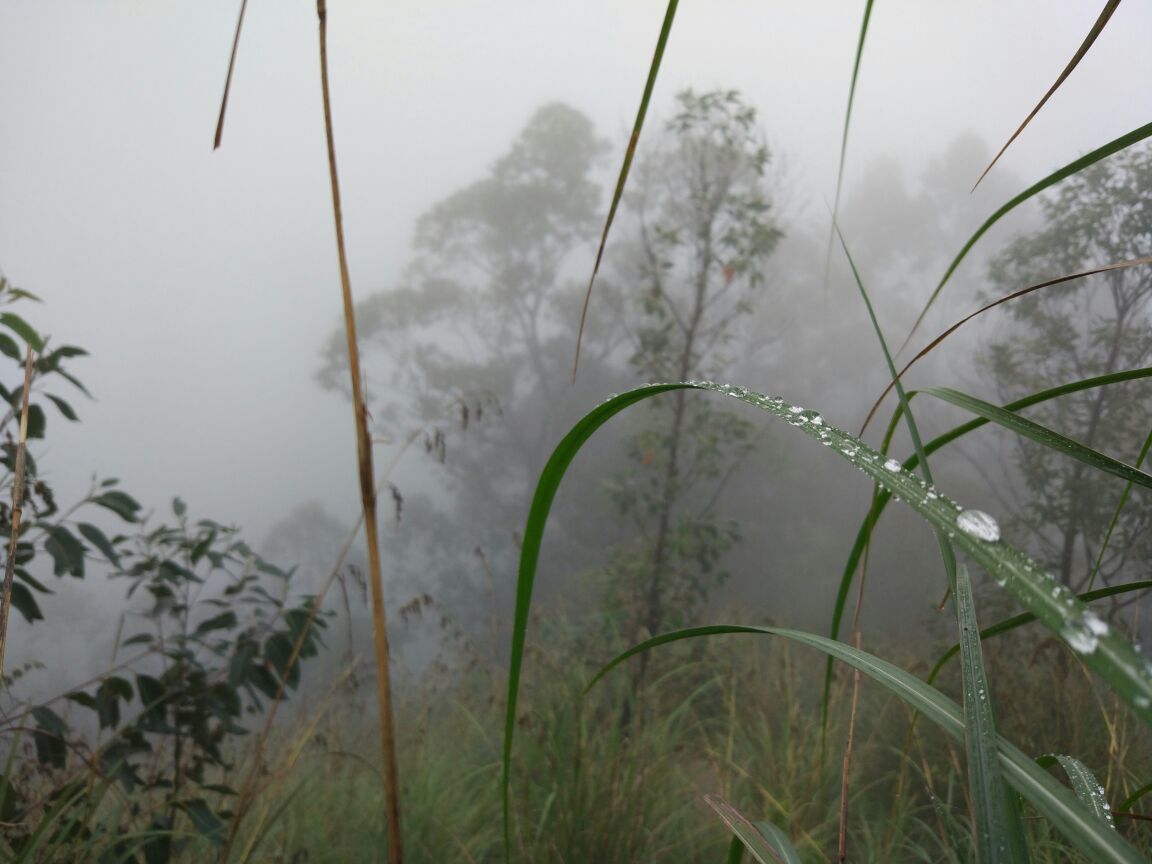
205, 284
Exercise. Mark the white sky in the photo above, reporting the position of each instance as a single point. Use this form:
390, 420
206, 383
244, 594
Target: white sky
204, 283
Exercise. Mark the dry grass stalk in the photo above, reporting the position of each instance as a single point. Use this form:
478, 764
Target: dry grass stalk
367, 486
17, 508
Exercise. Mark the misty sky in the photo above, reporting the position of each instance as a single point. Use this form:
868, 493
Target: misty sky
204, 283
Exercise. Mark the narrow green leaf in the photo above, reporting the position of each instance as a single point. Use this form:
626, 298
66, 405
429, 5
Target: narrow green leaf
1041, 434
204, 820
621, 181
63, 407
844, 135
22, 329
120, 503
773, 847
98, 539
998, 833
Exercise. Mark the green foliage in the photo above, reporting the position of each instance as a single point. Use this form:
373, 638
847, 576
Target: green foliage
217, 641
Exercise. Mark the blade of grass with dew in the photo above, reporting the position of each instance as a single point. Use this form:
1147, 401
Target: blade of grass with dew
1055, 177
626, 166
1136, 262
767, 847
844, 136
873, 515
1107, 653
946, 551
999, 835
1042, 435
367, 476
1010, 624
1051, 799
1081, 52
1084, 784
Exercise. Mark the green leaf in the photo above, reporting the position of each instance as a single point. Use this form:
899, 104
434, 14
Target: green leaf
618, 193
8, 346
1050, 798
767, 843
204, 820
25, 603
49, 737
1042, 435
1084, 784
62, 406
37, 422
22, 329
97, 538
67, 552
120, 503
140, 639
179, 507
998, 833
223, 621
108, 697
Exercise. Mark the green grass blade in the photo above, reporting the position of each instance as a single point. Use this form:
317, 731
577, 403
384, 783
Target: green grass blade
844, 135
1135, 796
1042, 434
1084, 784
770, 846
626, 166
1009, 624
1035, 189
1050, 798
998, 833
1081, 52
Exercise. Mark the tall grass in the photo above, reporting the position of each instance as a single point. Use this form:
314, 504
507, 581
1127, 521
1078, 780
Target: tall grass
999, 775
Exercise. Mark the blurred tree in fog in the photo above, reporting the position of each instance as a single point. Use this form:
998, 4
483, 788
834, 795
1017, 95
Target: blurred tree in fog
1078, 330
703, 232
478, 335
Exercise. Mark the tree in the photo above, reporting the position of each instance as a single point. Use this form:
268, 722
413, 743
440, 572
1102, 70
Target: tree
481, 326
703, 233
1074, 331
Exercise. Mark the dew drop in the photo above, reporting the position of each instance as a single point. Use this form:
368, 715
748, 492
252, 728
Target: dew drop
891, 465
978, 524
